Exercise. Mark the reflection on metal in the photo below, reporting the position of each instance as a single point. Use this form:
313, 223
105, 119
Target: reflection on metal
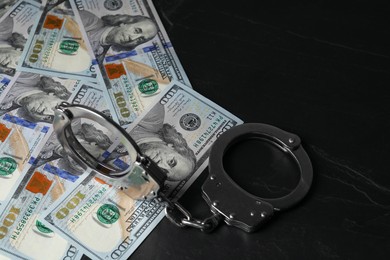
226, 199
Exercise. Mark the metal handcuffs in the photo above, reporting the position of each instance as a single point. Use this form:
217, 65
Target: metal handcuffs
227, 200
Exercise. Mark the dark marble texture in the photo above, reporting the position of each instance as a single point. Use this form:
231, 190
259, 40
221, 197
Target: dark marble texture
319, 69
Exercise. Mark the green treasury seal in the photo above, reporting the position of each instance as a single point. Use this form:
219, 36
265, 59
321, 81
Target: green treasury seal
7, 166
69, 47
148, 87
42, 227
108, 214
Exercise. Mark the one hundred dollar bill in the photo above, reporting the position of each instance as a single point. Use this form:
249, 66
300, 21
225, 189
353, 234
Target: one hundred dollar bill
95, 138
17, 145
31, 98
22, 235
49, 175
133, 51
26, 114
15, 26
177, 133
57, 46
103, 219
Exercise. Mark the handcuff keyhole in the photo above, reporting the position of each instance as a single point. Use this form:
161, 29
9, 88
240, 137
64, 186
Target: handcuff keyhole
261, 168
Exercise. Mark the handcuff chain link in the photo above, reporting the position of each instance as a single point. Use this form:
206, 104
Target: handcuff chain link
180, 216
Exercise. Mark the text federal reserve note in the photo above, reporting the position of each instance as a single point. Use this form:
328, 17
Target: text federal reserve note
177, 133
57, 46
133, 51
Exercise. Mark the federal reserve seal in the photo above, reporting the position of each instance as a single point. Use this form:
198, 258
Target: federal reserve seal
7, 166
113, 5
190, 122
108, 214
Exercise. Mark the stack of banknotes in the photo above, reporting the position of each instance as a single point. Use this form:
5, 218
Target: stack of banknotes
114, 56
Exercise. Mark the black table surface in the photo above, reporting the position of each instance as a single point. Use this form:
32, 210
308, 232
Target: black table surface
319, 69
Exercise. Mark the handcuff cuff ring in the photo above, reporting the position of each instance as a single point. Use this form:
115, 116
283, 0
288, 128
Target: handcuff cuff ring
226, 199
65, 113
238, 207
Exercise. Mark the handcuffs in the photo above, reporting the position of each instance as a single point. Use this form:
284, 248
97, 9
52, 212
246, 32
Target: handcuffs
227, 200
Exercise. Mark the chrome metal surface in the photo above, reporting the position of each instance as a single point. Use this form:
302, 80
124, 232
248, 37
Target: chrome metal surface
238, 207
226, 199
181, 217
65, 113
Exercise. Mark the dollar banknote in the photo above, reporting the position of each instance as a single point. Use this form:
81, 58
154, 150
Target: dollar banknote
56, 45
133, 51
15, 26
31, 98
22, 235
26, 114
177, 133
51, 173
105, 222
95, 138
17, 144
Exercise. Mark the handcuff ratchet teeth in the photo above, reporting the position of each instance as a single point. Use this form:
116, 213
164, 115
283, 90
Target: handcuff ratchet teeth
227, 200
